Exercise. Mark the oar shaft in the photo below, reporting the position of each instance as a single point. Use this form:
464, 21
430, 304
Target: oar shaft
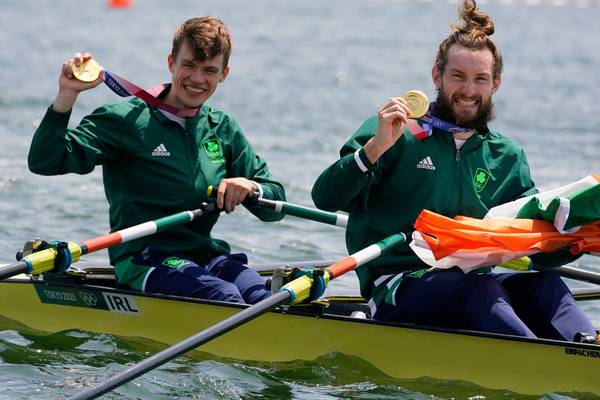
44, 260
144, 229
295, 210
577, 274
365, 255
312, 214
184, 346
583, 294
17, 268
268, 268
296, 289
300, 289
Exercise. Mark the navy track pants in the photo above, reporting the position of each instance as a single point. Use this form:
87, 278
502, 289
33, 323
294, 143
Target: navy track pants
225, 278
525, 304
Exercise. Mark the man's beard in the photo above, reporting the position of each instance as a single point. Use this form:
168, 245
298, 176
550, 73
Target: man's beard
443, 110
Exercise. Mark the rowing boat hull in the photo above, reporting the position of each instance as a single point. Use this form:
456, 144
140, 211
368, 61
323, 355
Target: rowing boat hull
401, 351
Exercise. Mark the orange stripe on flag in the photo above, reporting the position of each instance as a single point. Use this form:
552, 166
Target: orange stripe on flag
490, 241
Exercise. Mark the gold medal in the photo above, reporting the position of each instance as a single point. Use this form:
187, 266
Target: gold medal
88, 71
417, 102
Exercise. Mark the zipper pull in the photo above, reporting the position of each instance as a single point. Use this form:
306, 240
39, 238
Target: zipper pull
457, 155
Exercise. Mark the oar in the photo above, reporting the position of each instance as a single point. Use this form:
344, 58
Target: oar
294, 292
312, 214
583, 294
295, 210
45, 260
269, 268
524, 264
521, 264
577, 274
341, 220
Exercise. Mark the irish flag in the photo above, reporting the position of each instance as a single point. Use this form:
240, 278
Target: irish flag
566, 217
568, 207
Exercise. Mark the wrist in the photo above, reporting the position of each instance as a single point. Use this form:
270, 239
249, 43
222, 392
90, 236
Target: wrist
64, 100
374, 150
258, 189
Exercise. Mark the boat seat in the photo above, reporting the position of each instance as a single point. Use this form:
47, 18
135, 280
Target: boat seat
350, 306
92, 271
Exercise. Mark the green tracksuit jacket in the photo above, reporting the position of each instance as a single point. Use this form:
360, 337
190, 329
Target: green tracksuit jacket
153, 168
386, 197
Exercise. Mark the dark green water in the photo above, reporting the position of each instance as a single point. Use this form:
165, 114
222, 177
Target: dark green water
303, 77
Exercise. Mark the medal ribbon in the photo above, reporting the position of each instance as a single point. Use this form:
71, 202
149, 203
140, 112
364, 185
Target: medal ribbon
423, 127
124, 88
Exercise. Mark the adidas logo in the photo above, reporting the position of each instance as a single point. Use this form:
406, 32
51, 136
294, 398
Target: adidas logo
426, 163
161, 151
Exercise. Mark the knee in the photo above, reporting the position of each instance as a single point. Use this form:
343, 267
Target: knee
229, 292
217, 290
488, 286
548, 276
551, 281
482, 292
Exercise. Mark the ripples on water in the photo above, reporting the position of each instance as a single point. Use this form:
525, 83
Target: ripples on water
304, 76
63, 364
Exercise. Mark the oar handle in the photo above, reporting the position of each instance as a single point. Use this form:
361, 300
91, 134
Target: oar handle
295, 210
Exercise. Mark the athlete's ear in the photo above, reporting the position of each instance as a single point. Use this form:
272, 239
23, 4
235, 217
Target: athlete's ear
437, 77
170, 62
224, 74
496, 83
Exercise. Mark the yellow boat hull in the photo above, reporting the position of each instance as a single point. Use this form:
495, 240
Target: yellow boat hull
494, 361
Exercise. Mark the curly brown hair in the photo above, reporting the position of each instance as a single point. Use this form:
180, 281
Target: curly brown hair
472, 31
207, 36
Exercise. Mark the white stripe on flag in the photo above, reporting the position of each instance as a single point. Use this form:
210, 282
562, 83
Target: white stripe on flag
511, 209
562, 215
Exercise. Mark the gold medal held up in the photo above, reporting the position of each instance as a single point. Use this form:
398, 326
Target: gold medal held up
88, 71
417, 102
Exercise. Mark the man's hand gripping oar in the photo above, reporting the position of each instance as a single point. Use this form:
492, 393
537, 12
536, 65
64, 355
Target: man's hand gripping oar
59, 256
295, 210
294, 292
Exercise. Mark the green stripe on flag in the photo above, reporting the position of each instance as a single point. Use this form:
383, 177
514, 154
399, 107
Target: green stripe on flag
578, 209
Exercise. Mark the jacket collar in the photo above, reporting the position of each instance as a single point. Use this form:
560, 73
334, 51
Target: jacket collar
204, 112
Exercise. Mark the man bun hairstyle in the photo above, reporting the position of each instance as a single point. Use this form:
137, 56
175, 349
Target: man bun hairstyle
207, 36
472, 31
